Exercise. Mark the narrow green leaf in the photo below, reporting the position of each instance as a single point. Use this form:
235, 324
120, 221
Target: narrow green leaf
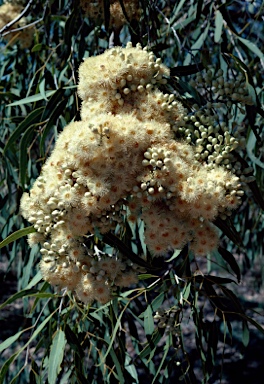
175, 254
186, 70
6, 366
66, 378
152, 343
198, 11
23, 155
142, 236
227, 17
27, 269
186, 292
230, 259
229, 230
42, 89
14, 357
216, 279
252, 47
31, 99
195, 48
257, 194
39, 47
245, 336
218, 26
148, 321
251, 145
69, 31
17, 235
52, 103
36, 279
121, 379
130, 367
10, 340
32, 117
157, 302
57, 110
117, 325
73, 341
27, 293
236, 303
165, 353
252, 321
56, 356
111, 239
176, 11
191, 91
145, 276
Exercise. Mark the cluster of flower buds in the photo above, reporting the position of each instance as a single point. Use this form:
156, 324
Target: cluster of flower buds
169, 319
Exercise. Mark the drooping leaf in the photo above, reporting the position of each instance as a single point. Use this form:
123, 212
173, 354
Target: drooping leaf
245, 336
27, 293
118, 368
230, 259
165, 353
52, 103
36, 279
218, 26
186, 70
10, 340
5, 367
17, 235
250, 45
217, 279
227, 227
42, 89
56, 356
31, 99
114, 241
23, 155
157, 302
69, 31
52, 120
32, 118
199, 9
148, 321
145, 276
152, 343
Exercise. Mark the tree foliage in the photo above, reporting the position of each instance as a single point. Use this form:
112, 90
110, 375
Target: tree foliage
210, 48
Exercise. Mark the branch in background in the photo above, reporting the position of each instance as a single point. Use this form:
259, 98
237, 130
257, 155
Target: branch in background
21, 28
9, 25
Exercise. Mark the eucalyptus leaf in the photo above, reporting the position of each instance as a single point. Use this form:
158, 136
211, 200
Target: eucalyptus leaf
17, 235
32, 99
218, 26
56, 356
33, 117
148, 321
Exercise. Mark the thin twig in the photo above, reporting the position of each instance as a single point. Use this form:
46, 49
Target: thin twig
170, 26
8, 25
21, 28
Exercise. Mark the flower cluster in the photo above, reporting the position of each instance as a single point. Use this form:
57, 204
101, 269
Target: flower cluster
9, 12
124, 161
95, 10
212, 128
92, 275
